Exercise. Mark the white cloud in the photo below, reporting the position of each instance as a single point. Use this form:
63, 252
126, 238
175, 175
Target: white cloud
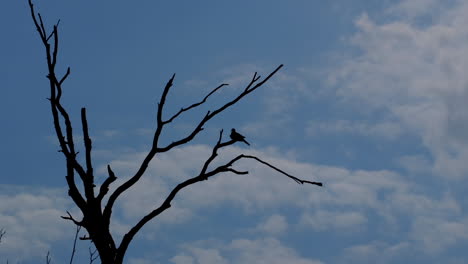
266, 250
424, 206
275, 224
415, 164
415, 8
182, 259
387, 129
416, 74
377, 252
31, 219
239, 251
345, 203
321, 220
436, 234
348, 201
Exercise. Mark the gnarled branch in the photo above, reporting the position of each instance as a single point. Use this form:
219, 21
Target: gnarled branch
204, 175
252, 86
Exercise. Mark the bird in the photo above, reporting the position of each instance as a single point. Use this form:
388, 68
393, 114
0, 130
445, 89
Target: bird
238, 137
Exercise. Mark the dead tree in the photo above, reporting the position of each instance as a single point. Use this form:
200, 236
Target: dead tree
97, 215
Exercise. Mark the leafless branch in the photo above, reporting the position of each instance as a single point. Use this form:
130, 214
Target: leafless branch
78, 228
248, 89
51, 34
58, 111
48, 258
42, 25
2, 233
105, 185
253, 85
96, 218
194, 105
204, 175
299, 181
70, 217
89, 179
92, 255
65, 76
85, 238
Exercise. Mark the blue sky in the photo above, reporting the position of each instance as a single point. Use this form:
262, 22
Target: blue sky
371, 101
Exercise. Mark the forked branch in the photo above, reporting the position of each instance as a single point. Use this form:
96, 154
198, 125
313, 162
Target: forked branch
204, 175
2, 233
252, 86
96, 220
70, 217
58, 111
185, 109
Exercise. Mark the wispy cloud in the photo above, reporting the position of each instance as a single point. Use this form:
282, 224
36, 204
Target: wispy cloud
387, 129
266, 250
415, 73
31, 218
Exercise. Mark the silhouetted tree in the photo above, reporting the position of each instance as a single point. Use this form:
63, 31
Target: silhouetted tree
97, 215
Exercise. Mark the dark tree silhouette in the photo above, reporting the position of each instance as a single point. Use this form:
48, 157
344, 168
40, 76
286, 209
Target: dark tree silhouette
97, 215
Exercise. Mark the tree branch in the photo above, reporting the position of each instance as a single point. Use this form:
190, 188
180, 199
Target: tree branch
48, 258
2, 233
160, 124
299, 181
194, 105
162, 101
96, 220
78, 228
214, 113
66, 143
65, 76
105, 186
204, 175
70, 217
92, 255
88, 182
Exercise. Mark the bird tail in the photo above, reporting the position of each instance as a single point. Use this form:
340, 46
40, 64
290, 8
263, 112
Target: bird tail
245, 141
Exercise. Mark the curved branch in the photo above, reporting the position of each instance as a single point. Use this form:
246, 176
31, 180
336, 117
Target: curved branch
105, 185
249, 88
204, 175
300, 181
194, 105
70, 217
252, 86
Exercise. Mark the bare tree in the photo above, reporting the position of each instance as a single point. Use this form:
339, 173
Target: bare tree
97, 215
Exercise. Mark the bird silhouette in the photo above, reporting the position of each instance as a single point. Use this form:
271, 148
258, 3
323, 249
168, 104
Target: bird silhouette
238, 137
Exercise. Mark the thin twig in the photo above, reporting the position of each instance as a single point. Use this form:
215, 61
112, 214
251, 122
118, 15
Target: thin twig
70, 217
300, 181
204, 175
48, 258
105, 185
78, 228
195, 104
2, 233
160, 124
92, 254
